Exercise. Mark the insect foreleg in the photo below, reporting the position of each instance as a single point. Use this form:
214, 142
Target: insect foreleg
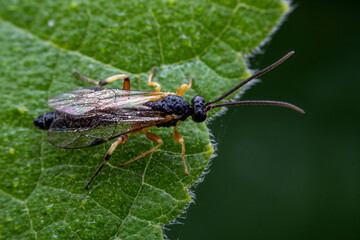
184, 87
178, 138
152, 137
126, 85
121, 139
153, 84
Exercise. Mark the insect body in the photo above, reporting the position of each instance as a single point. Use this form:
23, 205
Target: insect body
92, 116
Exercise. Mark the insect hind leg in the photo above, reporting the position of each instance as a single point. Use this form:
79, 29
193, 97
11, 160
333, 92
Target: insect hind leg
126, 85
184, 87
153, 84
112, 148
152, 137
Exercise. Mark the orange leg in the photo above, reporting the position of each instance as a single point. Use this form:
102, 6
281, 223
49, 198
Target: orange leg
178, 138
153, 84
152, 137
121, 139
126, 85
184, 87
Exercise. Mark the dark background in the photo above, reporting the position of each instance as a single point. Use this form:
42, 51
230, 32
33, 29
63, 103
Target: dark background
279, 174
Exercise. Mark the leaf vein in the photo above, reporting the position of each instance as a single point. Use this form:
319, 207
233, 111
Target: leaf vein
138, 194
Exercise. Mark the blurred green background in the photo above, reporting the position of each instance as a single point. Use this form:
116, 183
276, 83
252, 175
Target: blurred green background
279, 174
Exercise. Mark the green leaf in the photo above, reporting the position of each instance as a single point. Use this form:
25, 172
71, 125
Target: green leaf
42, 191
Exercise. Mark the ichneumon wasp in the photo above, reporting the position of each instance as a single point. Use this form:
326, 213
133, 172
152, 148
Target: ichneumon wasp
92, 116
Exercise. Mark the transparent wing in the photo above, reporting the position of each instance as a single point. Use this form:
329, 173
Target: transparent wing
97, 127
85, 100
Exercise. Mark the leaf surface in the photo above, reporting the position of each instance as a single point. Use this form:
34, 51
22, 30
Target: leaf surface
42, 193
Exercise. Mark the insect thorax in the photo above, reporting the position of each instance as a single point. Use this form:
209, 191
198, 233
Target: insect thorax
174, 105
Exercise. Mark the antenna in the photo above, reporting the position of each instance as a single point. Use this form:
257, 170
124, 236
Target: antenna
252, 77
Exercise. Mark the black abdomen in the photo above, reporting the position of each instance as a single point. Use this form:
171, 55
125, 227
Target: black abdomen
44, 121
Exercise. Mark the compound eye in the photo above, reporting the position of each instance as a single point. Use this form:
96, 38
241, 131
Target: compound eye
199, 114
198, 101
